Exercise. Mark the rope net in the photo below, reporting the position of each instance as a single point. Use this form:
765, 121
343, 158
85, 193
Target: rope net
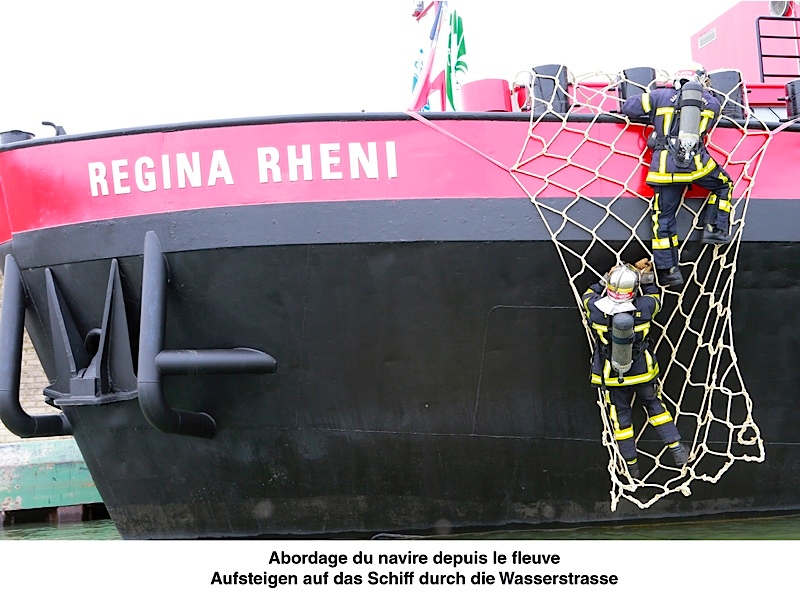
583, 168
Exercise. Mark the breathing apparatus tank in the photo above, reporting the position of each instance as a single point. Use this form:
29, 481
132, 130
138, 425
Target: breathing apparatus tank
690, 106
622, 343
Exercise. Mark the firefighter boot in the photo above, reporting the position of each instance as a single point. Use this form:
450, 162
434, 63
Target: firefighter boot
712, 235
670, 277
633, 468
679, 454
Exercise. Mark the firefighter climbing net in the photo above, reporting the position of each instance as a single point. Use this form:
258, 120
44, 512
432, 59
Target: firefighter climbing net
586, 180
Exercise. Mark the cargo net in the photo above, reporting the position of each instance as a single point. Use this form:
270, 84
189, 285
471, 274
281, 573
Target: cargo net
586, 180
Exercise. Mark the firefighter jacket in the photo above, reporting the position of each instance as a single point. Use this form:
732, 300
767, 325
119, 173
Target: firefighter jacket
645, 365
661, 107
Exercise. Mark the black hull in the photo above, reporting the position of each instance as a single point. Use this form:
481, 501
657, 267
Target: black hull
420, 384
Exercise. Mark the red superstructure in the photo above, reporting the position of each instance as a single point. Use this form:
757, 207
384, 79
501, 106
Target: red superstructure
752, 38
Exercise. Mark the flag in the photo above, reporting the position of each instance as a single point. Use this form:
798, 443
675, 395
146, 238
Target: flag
448, 64
418, 74
456, 63
424, 65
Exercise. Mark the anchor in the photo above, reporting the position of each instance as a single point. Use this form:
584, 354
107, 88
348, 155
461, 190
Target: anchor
98, 368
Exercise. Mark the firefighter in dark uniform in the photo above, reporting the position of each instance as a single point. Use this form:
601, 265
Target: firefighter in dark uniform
624, 364
681, 117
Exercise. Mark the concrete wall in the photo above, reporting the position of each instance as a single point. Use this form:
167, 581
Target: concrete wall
44, 474
33, 382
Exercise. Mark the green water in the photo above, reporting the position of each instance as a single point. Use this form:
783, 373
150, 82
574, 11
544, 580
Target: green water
765, 528
81, 530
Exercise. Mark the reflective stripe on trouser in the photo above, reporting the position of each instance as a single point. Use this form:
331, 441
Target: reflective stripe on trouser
718, 204
622, 416
666, 200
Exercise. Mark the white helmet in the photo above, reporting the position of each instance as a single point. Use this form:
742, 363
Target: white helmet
621, 283
694, 73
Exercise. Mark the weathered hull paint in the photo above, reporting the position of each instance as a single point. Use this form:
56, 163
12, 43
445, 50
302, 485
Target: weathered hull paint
432, 364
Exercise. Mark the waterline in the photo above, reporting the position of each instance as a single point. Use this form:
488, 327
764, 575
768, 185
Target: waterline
785, 527
754, 528
102, 529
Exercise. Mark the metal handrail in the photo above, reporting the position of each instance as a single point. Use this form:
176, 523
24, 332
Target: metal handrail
761, 55
155, 361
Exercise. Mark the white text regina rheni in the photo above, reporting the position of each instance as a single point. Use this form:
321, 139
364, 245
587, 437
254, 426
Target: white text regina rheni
303, 162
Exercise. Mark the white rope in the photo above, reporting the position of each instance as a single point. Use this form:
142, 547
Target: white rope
701, 382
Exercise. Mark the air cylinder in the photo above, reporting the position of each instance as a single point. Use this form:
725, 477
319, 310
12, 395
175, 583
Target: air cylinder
622, 343
690, 105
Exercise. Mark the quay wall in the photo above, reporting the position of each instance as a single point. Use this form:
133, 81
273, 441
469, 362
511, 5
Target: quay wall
47, 475
32, 383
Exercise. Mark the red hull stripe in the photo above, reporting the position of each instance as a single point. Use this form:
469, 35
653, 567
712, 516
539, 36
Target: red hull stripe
86, 180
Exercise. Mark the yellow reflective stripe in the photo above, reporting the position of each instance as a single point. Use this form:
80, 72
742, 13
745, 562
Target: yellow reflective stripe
675, 241
646, 106
662, 162
706, 116
661, 243
712, 199
657, 298
662, 177
689, 177
587, 295
624, 434
644, 328
601, 329
725, 205
668, 120
665, 110
657, 420
654, 177
613, 381
697, 163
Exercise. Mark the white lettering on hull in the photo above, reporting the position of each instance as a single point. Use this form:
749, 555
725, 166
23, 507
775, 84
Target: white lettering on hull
327, 161
188, 171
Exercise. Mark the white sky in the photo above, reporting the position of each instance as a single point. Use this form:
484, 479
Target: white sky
90, 65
